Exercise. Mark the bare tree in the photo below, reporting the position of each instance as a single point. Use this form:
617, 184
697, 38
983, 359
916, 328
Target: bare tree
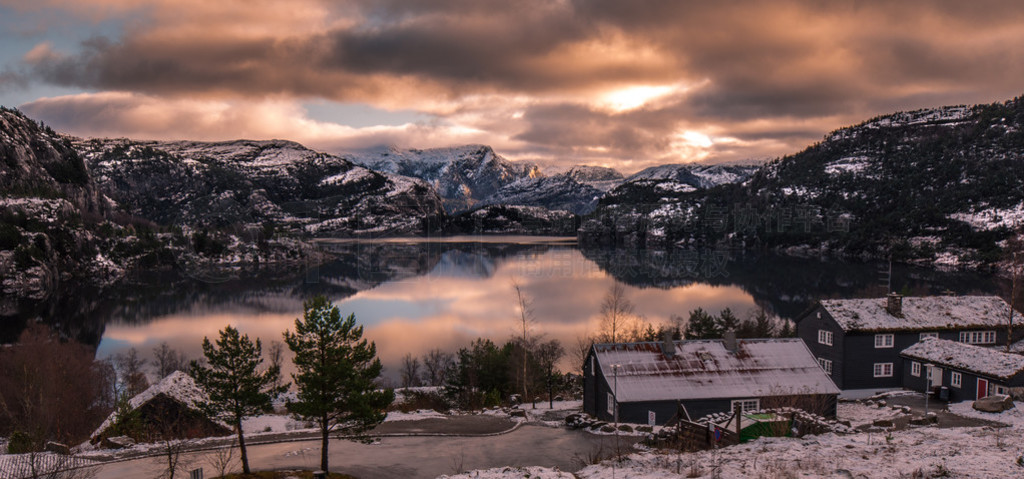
173, 457
275, 356
525, 324
436, 364
130, 369
548, 353
617, 313
223, 460
410, 371
50, 390
167, 360
579, 351
48, 465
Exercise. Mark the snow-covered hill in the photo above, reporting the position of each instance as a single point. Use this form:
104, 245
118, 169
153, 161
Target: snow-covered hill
245, 183
462, 176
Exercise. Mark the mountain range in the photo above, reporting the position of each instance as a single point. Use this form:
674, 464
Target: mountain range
938, 186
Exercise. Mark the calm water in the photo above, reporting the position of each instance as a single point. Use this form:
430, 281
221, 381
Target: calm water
415, 296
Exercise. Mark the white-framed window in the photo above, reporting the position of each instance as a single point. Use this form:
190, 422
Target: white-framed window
954, 379
611, 404
928, 335
746, 405
915, 369
978, 337
825, 337
883, 340
883, 370
1002, 390
826, 364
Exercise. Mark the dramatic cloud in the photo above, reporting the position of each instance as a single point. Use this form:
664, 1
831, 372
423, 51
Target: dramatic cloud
619, 83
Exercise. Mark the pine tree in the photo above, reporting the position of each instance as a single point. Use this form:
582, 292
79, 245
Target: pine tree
232, 378
702, 326
336, 370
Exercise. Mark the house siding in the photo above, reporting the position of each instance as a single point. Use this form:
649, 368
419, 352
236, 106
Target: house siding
853, 354
807, 329
969, 380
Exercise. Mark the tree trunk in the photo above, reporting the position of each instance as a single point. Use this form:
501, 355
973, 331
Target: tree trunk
324, 437
241, 447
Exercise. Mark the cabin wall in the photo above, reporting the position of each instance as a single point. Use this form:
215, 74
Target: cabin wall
807, 328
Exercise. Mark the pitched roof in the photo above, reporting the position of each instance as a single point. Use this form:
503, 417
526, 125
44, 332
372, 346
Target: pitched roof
177, 385
705, 369
977, 359
919, 313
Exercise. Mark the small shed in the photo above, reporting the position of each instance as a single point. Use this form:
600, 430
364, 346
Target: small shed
652, 382
969, 372
169, 409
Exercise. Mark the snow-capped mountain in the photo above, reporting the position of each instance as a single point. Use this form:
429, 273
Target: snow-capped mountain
463, 176
696, 176
222, 184
559, 192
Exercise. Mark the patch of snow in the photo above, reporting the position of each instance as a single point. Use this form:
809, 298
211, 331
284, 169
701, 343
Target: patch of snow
849, 164
417, 415
990, 219
919, 313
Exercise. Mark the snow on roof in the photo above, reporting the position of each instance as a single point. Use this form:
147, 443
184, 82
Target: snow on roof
977, 359
177, 385
919, 313
705, 369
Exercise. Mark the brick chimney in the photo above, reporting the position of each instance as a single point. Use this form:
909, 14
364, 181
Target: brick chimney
894, 304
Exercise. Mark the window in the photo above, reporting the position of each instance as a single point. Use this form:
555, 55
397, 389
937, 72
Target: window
929, 335
747, 405
883, 340
954, 379
611, 404
1002, 390
978, 337
825, 337
915, 369
826, 365
883, 370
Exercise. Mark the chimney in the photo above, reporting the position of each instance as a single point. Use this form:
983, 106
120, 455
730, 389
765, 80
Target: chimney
894, 304
668, 347
730, 340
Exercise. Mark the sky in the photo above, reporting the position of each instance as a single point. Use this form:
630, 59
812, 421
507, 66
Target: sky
625, 84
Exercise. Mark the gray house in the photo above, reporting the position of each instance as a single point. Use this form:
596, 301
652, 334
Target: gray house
858, 341
969, 372
652, 381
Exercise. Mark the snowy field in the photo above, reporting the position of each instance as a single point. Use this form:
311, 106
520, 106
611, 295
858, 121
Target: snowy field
922, 452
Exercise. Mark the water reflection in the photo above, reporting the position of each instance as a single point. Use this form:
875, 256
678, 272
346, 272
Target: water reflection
413, 297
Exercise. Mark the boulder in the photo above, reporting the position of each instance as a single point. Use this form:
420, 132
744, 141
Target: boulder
884, 423
994, 403
58, 448
517, 413
118, 442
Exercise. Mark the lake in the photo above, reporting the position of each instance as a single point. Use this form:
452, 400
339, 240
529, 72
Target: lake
416, 295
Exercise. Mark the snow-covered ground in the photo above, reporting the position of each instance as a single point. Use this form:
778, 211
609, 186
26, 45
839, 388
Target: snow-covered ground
920, 452
860, 414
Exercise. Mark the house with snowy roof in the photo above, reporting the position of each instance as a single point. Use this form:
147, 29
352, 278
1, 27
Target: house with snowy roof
969, 372
858, 341
653, 382
169, 409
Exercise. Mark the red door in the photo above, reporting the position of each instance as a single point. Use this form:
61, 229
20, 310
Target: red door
982, 388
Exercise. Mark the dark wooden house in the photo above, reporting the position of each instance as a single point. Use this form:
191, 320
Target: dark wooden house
653, 381
169, 409
968, 372
858, 341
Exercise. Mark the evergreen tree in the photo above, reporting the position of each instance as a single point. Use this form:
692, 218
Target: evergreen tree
702, 326
727, 321
234, 381
336, 370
